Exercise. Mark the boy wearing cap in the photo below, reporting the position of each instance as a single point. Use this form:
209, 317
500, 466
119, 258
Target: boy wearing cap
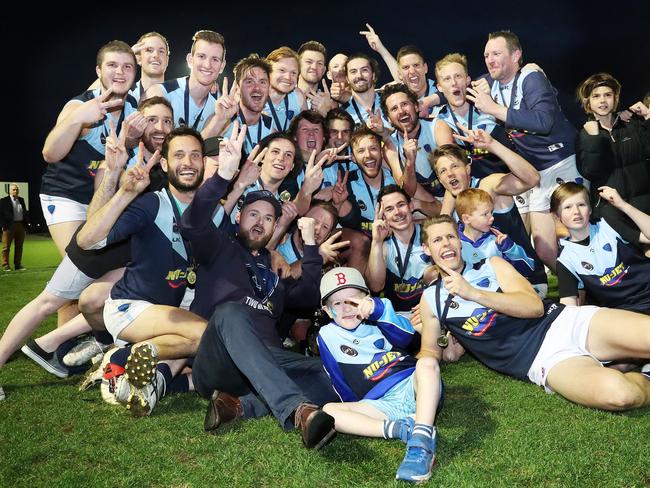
381, 386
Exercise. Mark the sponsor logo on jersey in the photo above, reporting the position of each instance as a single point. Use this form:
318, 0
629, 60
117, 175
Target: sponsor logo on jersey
93, 166
613, 276
480, 321
176, 278
408, 289
382, 365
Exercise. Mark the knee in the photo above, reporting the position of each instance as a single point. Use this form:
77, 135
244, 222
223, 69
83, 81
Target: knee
224, 315
619, 394
195, 333
427, 365
92, 300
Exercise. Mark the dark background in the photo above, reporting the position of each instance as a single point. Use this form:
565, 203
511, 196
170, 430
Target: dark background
50, 52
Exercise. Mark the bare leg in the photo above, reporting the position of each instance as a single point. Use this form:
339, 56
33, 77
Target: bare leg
175, 332
62, 233
27, 321
619, 334
66, 313
357, 418
543, 230
92, 299
427, 389
52, 340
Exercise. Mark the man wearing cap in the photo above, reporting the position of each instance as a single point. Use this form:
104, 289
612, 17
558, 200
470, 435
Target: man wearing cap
240, 353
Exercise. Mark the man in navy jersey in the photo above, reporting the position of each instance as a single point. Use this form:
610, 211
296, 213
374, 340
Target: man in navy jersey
143, 306
241, 354
526, 103
191, 96
493, 312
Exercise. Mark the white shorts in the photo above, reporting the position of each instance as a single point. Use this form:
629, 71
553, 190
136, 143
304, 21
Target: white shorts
522, 201
118, 315
57, 210
68, 281
550, 179
566, 338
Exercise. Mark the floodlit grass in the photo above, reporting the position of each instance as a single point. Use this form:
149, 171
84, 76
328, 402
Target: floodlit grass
494, 431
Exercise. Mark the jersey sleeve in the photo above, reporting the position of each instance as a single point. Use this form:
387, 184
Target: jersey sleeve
539, 97
567, 283
517, 256
141, 213
397, 328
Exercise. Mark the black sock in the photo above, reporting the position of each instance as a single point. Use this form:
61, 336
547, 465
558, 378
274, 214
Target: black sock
180, 384
120, 356
103, 337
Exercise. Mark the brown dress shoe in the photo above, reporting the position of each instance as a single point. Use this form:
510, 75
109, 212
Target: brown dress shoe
222, 409
317, 426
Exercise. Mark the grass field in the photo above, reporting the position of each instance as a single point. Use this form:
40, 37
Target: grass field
493, 432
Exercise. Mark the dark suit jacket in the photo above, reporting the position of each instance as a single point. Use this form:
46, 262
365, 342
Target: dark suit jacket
7, 211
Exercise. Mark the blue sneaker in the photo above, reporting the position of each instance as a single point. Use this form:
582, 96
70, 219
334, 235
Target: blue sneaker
404, 428
418, 461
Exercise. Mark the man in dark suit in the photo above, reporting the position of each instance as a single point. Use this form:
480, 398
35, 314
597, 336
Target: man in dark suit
13, 219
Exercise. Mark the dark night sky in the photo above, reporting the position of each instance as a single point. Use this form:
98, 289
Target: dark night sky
55, 59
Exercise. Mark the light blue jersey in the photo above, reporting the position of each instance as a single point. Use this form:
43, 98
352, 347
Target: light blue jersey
283, 113
186, 111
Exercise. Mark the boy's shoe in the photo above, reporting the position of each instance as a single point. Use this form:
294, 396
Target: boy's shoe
6, 268
418, 461
405, 427
20, 268
46, 360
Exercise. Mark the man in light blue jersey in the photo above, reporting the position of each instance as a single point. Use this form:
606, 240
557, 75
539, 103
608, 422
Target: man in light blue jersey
191, 96
362, 73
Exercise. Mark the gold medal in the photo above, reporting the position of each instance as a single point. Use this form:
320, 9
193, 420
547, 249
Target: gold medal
191, 276
285, 196
443, 341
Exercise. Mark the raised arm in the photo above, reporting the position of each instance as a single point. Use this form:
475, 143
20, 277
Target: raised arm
641, 219
376, 269
376, 45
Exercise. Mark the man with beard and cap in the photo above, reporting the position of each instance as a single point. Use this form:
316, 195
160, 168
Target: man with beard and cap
143, 306
245, 101
191, 96
241, 354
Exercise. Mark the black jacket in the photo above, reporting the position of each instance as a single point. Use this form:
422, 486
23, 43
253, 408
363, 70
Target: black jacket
7, 211
620, 159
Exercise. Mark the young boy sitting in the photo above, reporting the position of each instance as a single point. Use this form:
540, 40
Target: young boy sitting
479, 240
381, 386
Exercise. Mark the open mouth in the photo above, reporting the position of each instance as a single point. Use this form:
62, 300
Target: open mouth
257, 231
454, 183
158, 139
370, 164
187, 173
448, 255
311, 143
278, 167
405, 119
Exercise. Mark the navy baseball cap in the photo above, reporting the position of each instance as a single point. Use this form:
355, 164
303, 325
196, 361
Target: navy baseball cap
265, 195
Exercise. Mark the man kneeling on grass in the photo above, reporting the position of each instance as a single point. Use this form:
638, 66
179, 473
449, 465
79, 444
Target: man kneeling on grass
382, 387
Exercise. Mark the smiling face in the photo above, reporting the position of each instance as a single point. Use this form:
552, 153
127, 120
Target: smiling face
323, 223
402, 112
344, 314
256, 224
453, 82
278, 161
284, 75
153, 58
184, 163
602, 101
117, 71
413, 71
574, 212
360, 75
254, 89
159, 123
367, 153
312, 66
443, 245
206, 62
453, 174
500, 61
397, 211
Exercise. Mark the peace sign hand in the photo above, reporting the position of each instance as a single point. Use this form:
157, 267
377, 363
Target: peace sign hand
329, 249
226, 106
314, 171
136, 179
95, 110
373, 39
380, 228
230, 151
374, 122
365, 306
477, 137
340, 192
115, 153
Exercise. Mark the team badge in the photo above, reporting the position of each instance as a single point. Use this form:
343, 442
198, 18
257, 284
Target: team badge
587, 266
348, 350
362, 205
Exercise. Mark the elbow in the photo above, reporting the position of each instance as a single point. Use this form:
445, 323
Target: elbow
49, 156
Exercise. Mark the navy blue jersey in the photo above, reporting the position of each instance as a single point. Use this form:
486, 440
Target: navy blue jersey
73, 177
608, 268
538, 128
503, 343
368, 361
186, 111
283, 113
360, 115
363, 198
426, 145
255, 133
159, 263
404, 287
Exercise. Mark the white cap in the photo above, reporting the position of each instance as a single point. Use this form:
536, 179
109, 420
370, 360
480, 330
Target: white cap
339, 278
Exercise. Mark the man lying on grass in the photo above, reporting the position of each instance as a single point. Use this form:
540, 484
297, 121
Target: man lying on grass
493, 312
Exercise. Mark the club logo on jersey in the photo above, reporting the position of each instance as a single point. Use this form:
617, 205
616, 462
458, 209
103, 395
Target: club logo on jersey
613, 276
480, 321
348, 350
176, 278
382, 364
520, 200
607, 247
427, 147
587, 266
453, 305
362, 205
93, 166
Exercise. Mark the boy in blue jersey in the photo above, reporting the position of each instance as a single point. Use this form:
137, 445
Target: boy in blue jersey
191, 96
494, 313
595, 257
381, 386
479, 239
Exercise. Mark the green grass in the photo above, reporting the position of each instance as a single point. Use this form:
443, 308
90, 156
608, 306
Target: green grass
494, 431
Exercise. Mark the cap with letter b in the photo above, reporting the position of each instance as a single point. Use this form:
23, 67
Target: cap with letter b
339, 278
